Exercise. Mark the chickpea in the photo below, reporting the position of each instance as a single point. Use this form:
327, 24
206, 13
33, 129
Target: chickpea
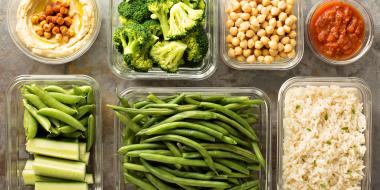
43, 23
251, 43
280, 31
277, 58
49, 19
241, 58
251, 59
235, 41
265, 2
47, 35
275, 2
279, 24
265, 52
273, 52
288, 48
255, 12
289, 21
231, 53
280, 47
58, 37
292, 54
272, 22
65, 39
265, 11
261, 18
233, 31
265, 40
228, 38
269, 30
291, 2
264, 25
235, 6
244, 44
233, 16
257, 52
49, 10
253, 4
259, 7
285, 40
247, 52
63, 29
260, 59
289, 9
229, 23
238, 22
54, 19
249, 33
294, 18
268, 59
244, 26
261, 33
35, 19
71, 32
59, 15
293, 34
275, 38
283, 55
65, 4
255, 22
259, 45
56, 8
60, 21
238, 50
55, 30
293, 42
282, 17
245, 16
287, 29
39, 31
241, 35
229, 10
282, 5
294, 27
269, 17
273, 45
275, 11
230, 45
41, 18
247, 8
242, 3
46, 27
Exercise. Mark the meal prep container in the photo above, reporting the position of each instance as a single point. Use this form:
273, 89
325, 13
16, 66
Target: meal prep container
366, 98
285, 64
263, 129
16, 155
12, 22
205, 70
368, 38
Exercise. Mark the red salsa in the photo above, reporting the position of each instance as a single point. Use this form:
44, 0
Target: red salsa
337, 30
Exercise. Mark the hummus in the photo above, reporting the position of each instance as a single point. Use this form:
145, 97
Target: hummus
83, 13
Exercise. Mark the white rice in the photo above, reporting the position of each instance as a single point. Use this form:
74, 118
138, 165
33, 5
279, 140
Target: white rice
324, 142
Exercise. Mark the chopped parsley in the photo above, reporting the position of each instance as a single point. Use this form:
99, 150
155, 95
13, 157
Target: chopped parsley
298, 107
328, 142
326, 117
308, 129
345, 129
353, 111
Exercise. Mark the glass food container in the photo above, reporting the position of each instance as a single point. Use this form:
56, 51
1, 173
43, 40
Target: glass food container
263, 128
368, 38
12, 22
16, 155
285, 64
199, 72
366, 98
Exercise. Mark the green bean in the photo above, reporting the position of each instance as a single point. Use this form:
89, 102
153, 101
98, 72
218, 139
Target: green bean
138, 118
190, 115
30, 125
126, 120
212, 126
230, 148
166, 176
230, 130
219, 154
34, 100
151, 122
187, 187
235, 106
214, 98
136, 153
161, 106
190, 133
139, 105
246, 185
66, 98
49, 100
182, 161
184, 108
43, 121
191, 101
260, 157
192, 175
188, 142
241, 142
158, 183
61, 116
155, 99
140, 183
149, 111
134, 167
126, 149
254, 167
90, 132
229, 100
174, 125
175, 152
177, 99
240, 128
67, 129
233, 165
234, 181
54, 88
83, 110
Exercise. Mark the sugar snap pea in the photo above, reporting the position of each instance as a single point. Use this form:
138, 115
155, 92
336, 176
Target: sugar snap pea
83, 110
61, 116
34, 100
42, 120
55, 88
67, 129
90, 132
30, 125
66, 98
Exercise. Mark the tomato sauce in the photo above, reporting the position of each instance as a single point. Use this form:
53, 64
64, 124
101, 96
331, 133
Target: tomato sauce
337, 30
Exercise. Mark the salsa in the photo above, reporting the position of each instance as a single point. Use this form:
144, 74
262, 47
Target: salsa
337, 30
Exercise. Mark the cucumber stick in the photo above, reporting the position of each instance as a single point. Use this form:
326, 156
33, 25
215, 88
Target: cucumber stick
53, 148
59, 168
85, 158
61, 186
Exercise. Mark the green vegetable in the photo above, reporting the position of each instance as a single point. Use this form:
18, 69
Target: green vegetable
30, 125
66, 98
154, 27
61, 116
161, 9
43, 121
53, 148
135, 10
61, 186
90, 132
168, 55
197, 46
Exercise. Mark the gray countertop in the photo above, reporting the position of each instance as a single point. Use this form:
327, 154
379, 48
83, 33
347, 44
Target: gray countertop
94, 63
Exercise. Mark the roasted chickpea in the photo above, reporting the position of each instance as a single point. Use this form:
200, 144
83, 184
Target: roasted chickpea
257, 52
64, 10
49, 10
47, 35
58, 37
68, 21
244, 44
65, 39
251, 43
60, 21
56, 8
249, 33
268, 59
35, 19
247, 8
63, 29
229, 38
42, 18
55, 30
39, 31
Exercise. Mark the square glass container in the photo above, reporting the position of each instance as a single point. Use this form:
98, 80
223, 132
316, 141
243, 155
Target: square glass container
344, 82
285, 64
198, 72
263, 128
16, 155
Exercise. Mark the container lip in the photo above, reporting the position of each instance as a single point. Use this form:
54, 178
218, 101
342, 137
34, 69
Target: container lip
355, 82
253, 90
366, 46
60, 60
286, 65
98, 145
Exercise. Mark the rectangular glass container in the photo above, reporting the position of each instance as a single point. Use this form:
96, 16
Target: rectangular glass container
344, 82
202, 71
285, 64
16, 155
263, 128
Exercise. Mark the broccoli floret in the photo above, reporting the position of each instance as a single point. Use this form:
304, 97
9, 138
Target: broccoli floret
182, 19
168, 55
136, 10
161, 9
192, 3
134, 42
201, 5
197, 46
154, 27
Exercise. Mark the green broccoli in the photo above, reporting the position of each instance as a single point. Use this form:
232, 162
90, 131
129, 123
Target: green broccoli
168, 55
136, 10
192, 3
182, 19
197, 46
134, 42
154, 27
161, 9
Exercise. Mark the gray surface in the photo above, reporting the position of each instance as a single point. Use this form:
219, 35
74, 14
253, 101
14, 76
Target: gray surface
94, 63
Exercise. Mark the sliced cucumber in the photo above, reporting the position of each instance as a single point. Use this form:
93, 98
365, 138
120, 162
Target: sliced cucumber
85, 157
53, 148
61, 186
